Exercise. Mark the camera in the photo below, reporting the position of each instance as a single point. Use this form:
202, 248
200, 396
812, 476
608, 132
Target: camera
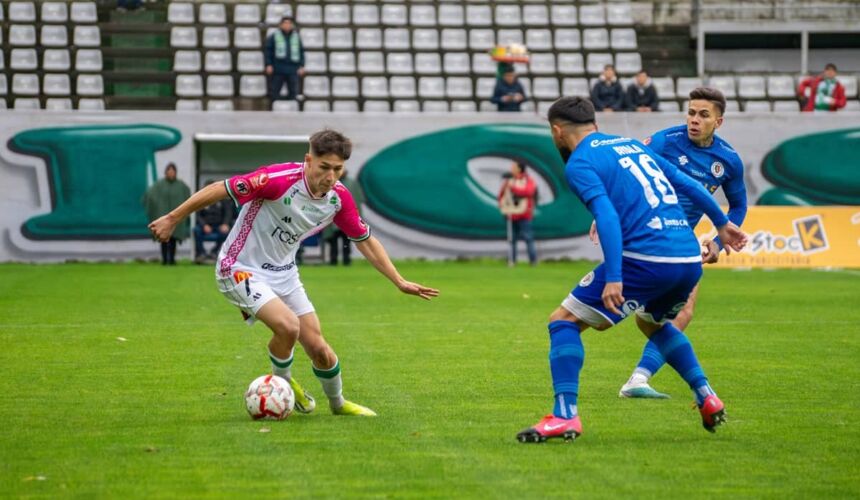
507, 175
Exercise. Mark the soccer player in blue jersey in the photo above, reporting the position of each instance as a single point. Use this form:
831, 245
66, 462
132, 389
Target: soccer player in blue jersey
652, 260
697, 151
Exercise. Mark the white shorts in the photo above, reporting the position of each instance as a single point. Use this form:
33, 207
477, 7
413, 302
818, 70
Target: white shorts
250, 294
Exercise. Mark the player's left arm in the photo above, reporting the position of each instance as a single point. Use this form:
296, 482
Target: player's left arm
736, 193
375, 253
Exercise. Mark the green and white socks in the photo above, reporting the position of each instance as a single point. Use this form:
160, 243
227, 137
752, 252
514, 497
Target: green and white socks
332, 384
281, 367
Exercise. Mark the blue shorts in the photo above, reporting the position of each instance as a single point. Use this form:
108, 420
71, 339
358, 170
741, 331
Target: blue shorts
653, 290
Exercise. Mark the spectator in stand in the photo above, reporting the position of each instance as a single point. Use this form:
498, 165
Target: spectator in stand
607, 94
641, 94
213, 223
509, 93
161, 198
285, 60
823, 92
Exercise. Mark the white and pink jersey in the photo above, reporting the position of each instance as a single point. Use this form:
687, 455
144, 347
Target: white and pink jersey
278, 212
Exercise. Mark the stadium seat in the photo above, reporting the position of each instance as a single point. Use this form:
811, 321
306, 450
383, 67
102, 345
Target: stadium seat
180, 13
187, 61
55, 12
482, 64
664, 86
458, 87
575, 87
394, 15
374, 87
450, 15
725, 84
2, 19
376, 107
23, 59
252, 86
87, 59
371, 62
275, 12
247, 38
401, 86
567, 39
509, 36
457, 63
487, 107
623, 39
757, 106
91, 104
628, 63
345, 107
670, 107
399, 63
539, 39
463, 107
454, 39
850, 84
216, 37
308, 14
54, 36
482, 39
484, 87
219, 105
543, 107
342, 62
245, 13
218, 61
546, 88
89, 36
535, 15
619, 14
56, 85
189, 86
527, 106
58, 104
181, 37
751, 87
786, 106
365, 15
852, 105
250, 61
406, 106
27, 103
336, 14
732, 105
316, 86
84, 12
595, 39
428, 64
22, 35
434, 106
563, 15
425, 39
422, 15
89, 85
25, 84
2, 60
212, 13
189, 105
396, 39
315, 62
219, 86
313, 38
479, 15
22, 12
284, 106
431, 87
779, 86
508, 15
368, 38
312, 106
596, 61
4, 86
542, 64
339, 38
685, 85
344, 86
592, 15
60, 60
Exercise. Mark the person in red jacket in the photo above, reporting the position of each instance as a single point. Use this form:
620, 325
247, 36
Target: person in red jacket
823, 92
517, 201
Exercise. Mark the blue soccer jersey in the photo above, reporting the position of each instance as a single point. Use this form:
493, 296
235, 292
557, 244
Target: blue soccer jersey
715, 166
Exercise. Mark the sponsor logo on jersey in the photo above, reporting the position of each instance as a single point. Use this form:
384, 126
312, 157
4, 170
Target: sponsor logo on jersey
647, 140
242, 187
809, 237
675, 222
606, 142
240, 276
259, 180
312, 209
717, 169
587, 279
333, 200
682, 160
272, 267
284, 236
655, 223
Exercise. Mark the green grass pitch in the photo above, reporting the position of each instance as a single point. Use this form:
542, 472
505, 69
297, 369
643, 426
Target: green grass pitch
86, 414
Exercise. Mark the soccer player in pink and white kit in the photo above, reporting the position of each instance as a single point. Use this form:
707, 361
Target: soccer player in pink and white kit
281, 205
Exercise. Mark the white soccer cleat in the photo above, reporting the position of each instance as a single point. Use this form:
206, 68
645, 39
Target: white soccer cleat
637, 387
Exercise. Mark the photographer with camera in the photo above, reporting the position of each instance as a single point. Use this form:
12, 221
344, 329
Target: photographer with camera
517, 202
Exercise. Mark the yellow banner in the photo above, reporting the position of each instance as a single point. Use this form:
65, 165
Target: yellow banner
795, 237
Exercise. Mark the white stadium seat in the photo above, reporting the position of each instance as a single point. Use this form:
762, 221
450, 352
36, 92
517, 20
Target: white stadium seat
186, 61
22, 12
219, 105
189, 105
89, 85
751, 87
250, 61
56, 85
244, 13
88, 36
219, 86
84, 12
184, 37
252, 86
58, 104
247, 38
55, 12
25, 84
23, 59
218, 61
180, 13
189, 86
60, 60
212, 13
88, 60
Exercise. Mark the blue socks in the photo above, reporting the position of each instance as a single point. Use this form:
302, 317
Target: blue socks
651, 360
676, 349
566, 356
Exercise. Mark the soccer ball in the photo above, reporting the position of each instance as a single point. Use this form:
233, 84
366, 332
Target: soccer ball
269, 397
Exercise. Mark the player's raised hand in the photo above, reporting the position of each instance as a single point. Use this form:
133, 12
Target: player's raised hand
612, 296
162, 227
732, 237
592, 233
710, 252
425, 292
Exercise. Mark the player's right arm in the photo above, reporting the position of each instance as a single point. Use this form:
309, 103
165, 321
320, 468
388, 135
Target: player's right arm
162, 228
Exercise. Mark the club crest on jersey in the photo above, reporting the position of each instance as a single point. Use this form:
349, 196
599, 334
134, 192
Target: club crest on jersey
717, 169
682, 160
629, 308
587, 279
242, 187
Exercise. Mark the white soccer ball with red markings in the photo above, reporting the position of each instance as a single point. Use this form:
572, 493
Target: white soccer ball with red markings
269, 397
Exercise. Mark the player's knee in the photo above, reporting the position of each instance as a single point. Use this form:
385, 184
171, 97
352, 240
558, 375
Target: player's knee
287, 328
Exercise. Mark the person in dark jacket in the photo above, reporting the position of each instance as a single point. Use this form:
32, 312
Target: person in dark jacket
285, 60
607, 94
641, 94
162, 197
509, 93
213, 223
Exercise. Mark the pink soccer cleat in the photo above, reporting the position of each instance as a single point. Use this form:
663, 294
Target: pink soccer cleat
550, 427
713, 413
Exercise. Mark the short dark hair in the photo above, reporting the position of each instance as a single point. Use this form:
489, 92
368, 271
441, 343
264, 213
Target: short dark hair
609, 66
288, 18
330, 141
522, 166
576, 110
710, 94
170, 166
830, 66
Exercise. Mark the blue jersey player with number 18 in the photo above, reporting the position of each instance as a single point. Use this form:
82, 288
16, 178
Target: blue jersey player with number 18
652, 260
